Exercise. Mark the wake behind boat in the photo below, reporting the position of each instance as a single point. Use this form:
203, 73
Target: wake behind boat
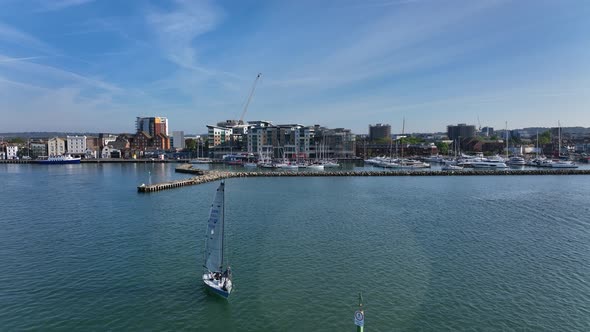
215, 278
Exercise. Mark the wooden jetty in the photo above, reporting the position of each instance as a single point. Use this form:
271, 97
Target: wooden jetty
209, 176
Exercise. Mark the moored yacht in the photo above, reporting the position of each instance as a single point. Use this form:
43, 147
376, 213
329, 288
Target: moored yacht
563, 164
516, 161
488, 164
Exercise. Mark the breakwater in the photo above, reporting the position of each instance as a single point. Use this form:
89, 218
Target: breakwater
209, 176
206, 177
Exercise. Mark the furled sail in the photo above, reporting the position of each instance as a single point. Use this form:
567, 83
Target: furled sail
214, 248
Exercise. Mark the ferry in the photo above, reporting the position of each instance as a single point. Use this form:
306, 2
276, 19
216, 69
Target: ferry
67, 159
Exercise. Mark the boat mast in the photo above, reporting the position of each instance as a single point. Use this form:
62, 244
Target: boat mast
402, 142
222, 225
506, 139
559, 139
537, 150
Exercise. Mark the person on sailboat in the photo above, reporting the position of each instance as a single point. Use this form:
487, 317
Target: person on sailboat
225, 277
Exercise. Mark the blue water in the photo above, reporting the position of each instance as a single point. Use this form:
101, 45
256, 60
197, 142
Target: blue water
82, 250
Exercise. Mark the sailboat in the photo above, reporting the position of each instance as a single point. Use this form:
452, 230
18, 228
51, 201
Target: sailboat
215, 278
561, 163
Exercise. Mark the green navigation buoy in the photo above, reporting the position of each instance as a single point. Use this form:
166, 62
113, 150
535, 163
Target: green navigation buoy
359, 315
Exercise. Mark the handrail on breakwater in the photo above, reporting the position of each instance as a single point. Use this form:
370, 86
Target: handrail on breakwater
209, 176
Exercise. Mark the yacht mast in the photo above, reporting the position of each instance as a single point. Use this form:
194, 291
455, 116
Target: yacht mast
537, 150
403, 131
506, 139
559, 139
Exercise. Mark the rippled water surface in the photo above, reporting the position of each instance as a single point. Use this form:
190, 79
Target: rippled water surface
82, 250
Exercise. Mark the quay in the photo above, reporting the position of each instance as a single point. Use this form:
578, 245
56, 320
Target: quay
209, 176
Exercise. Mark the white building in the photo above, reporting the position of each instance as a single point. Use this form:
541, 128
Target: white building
56, 146
106, 139
107, 152
76, 145
11, 151
178, 137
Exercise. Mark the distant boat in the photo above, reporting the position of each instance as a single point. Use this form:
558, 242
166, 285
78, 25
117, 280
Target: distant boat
250, 165
215, 278
451, 167
516, 161
435, 159
488, 164
330, 164
315, 167
201, 161
67, 159
563, 164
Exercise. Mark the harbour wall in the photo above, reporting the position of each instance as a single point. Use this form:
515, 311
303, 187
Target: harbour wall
209, 176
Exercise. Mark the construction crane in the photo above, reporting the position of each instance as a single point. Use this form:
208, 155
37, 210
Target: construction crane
249, 99
479, 124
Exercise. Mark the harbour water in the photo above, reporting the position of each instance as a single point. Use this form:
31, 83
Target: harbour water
82, 250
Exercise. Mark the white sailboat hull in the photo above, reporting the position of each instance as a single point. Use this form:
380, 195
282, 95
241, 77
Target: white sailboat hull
316, 167
216, 286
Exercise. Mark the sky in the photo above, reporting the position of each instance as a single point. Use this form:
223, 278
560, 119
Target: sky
95, 65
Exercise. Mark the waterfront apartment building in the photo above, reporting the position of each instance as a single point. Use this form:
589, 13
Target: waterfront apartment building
56, 146
76, 145
294, 141
11, 152
289, 140
152, 125
38, 150
143, 141
217, 136
460, 131
379, 131
335, 143
178, 137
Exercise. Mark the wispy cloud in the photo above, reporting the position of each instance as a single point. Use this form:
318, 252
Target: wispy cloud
54, 5
21, 67
400, 40
11, 35
177, 29
6, 59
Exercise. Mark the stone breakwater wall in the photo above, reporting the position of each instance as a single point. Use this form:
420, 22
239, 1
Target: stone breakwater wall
209, 176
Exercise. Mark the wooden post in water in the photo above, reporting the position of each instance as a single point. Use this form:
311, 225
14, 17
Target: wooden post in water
359, 316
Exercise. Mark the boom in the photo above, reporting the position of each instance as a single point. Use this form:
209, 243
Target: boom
249, 99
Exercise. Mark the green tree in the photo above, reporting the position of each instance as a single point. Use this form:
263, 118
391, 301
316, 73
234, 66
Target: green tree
190, 144
515, 140
22, 152
384, 140
413, 140
443, 147
545, 138
17, 140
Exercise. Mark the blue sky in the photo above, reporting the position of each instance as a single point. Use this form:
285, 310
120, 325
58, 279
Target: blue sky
84, 65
